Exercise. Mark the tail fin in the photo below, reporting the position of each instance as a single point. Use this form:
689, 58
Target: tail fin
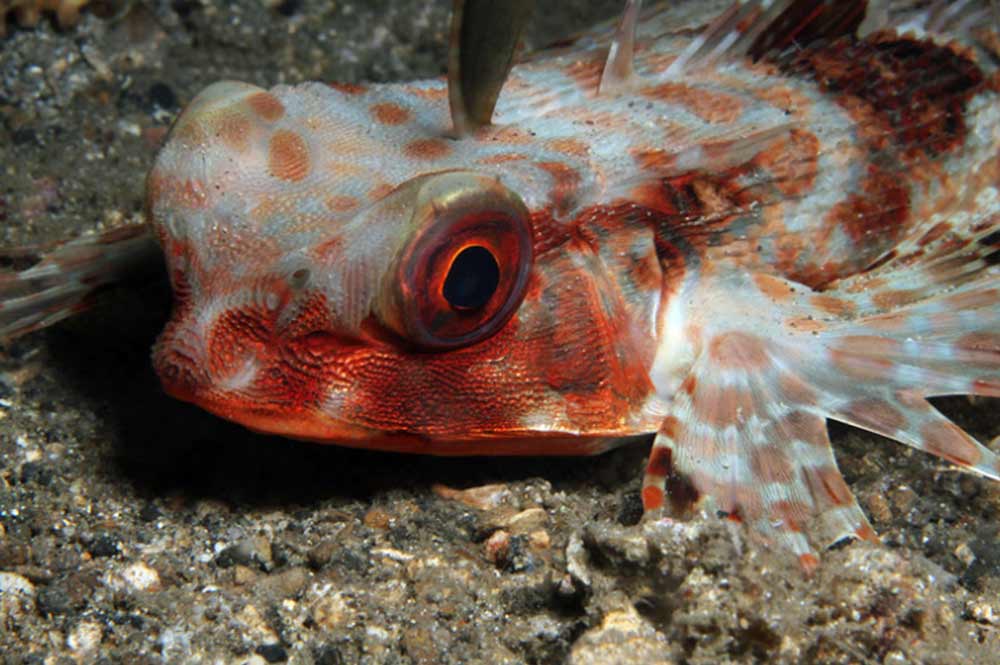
66, 279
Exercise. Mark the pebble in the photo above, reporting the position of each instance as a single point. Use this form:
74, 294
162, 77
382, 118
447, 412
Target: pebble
141, 577
17, 596
527, 521
376, 518
622, 637
285, 584
85, 638
483, 497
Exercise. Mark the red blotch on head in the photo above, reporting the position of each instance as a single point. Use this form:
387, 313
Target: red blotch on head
266, 106
427, 149
288, 156
390, 114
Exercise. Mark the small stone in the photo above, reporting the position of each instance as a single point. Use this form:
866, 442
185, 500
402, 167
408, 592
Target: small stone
622, 637
321, 555
332, 612
140, 577
965, 554
17, 596
254, 552
286, 584
902, 498
539, 540
243, 575
103, 545
498, 548
376, 518
879, 508
272, 653
85, 638
526, 521
481, 498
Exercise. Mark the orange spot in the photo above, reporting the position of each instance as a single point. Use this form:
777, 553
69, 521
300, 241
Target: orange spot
288, 156
712, 107
572, 147
805, 324
888, 300
266, 106
433, 94
948, 441
349, 88
656, 160
737, 349
234, 130
390, 114
934, 233
689, 384
670, 427
827, 486
342, 203
586, 73
866, 532
427, 149
652, 498
831, 305
776, 289
809, 563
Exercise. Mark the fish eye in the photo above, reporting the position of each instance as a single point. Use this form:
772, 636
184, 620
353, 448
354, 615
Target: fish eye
464, 270
472, 278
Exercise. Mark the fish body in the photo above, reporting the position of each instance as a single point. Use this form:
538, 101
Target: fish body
788, 215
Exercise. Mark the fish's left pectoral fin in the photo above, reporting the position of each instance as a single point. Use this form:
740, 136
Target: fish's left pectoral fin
619, 72
745, 440
774, 360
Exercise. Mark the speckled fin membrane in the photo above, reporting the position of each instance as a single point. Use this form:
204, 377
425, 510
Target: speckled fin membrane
747, 432
66, 279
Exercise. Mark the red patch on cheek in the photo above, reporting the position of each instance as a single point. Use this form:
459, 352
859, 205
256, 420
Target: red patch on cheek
288, 156
427, 149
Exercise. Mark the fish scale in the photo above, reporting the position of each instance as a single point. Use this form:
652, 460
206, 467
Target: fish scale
724, 236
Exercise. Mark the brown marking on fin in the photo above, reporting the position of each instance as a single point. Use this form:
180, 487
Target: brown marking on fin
739, 349
876, 414
792, 160
948, 441
349, 88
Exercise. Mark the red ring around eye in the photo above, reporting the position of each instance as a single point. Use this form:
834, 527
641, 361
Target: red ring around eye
464, 274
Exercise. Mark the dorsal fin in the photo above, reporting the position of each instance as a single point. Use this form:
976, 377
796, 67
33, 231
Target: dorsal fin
618, 71
758, 29
484, 37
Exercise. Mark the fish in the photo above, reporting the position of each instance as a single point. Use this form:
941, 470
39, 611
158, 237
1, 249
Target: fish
722, 232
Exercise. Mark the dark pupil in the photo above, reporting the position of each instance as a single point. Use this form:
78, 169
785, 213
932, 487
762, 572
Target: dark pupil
472, 278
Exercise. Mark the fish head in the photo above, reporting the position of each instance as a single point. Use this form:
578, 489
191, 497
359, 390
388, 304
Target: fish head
345, 271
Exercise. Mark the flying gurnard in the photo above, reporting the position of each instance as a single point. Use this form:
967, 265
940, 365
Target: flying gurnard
723, 231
